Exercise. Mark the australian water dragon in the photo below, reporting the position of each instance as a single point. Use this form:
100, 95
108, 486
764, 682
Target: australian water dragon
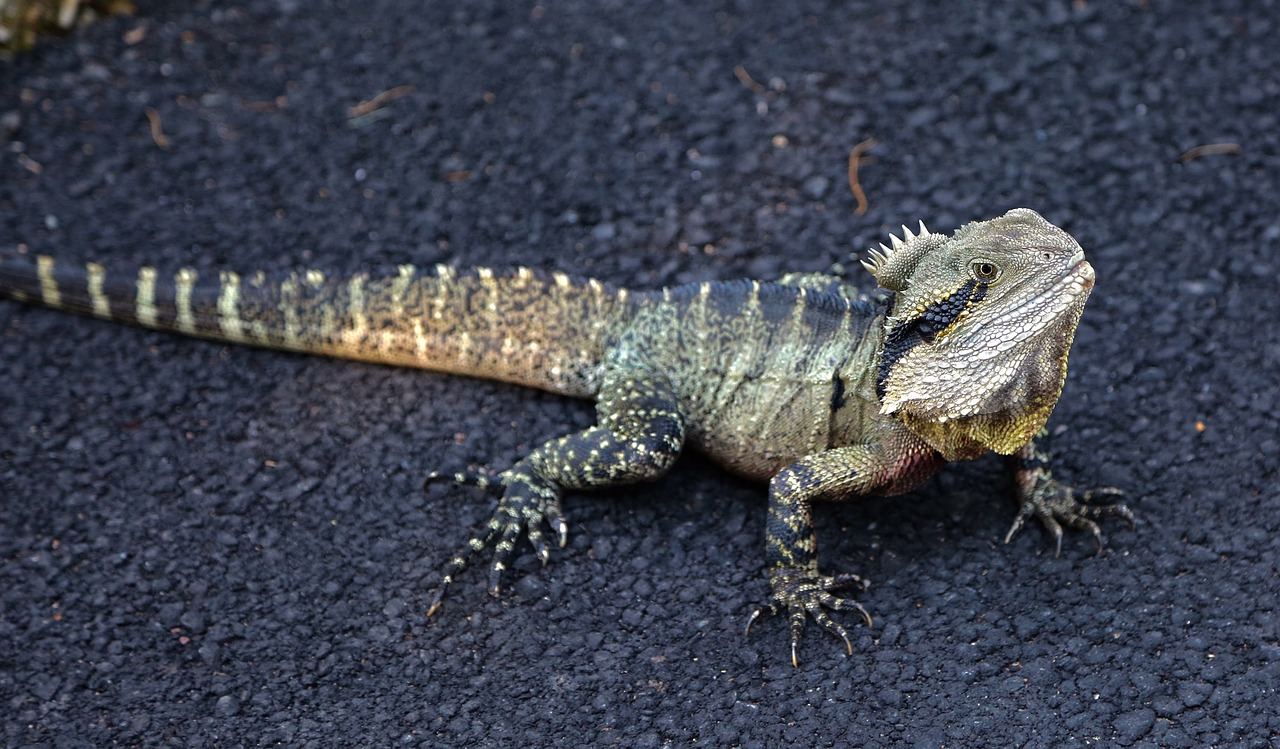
807, 384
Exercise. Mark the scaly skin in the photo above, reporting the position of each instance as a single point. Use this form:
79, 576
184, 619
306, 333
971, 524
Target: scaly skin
823, 392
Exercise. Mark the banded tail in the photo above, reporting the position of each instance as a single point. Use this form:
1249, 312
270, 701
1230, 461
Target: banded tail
540, 330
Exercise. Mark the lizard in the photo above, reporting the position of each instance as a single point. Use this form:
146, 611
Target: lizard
820, 390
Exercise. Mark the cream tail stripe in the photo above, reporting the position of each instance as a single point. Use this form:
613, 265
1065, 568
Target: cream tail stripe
146, 301
101, 306
48, 286
185, 282
288, 306
229, 307
400, 288
356, 310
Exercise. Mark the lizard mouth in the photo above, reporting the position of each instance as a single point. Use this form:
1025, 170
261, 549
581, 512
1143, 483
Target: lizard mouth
1075, 282
1083, 273
1082, 279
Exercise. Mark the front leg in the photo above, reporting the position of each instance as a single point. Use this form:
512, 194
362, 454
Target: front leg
791, 547
1055, 504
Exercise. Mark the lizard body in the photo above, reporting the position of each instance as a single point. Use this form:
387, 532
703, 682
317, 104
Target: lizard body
803, 383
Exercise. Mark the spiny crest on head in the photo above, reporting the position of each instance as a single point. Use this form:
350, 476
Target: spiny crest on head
893, 265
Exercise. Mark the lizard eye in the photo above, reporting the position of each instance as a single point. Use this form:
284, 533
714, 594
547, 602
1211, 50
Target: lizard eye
984, 270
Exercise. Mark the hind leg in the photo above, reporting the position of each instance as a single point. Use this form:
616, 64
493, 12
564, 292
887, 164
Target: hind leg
638, 437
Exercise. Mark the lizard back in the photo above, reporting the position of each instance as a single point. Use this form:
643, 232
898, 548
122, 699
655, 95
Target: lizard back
765, 372
540, 330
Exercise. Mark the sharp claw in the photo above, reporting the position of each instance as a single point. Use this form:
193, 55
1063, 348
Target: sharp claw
435, 603
756, 615
848, 646
562, 528
1097, 536
795, 658
850, 580
495, 581
1013, 529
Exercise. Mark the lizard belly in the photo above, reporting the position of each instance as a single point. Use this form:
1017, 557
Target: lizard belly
766, 425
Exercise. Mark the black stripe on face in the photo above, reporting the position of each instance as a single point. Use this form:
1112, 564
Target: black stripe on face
925, 328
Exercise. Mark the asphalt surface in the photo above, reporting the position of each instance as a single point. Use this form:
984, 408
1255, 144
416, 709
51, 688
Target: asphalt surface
204, 545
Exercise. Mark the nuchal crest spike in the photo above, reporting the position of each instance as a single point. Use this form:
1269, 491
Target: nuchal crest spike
892, 265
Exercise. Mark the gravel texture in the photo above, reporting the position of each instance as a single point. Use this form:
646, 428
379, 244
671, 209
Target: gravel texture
203, 545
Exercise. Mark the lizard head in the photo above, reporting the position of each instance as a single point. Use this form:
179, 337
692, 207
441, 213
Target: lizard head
976, 338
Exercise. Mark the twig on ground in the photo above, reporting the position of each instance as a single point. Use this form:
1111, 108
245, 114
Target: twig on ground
365, 107
1209, 149
745, 79
856, 158
157, 133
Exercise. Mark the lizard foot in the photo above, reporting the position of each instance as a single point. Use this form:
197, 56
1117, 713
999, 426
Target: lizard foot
1056, 505
529, 506
803, 592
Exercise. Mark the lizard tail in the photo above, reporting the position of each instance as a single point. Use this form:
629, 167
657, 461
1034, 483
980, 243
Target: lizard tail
539, 330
